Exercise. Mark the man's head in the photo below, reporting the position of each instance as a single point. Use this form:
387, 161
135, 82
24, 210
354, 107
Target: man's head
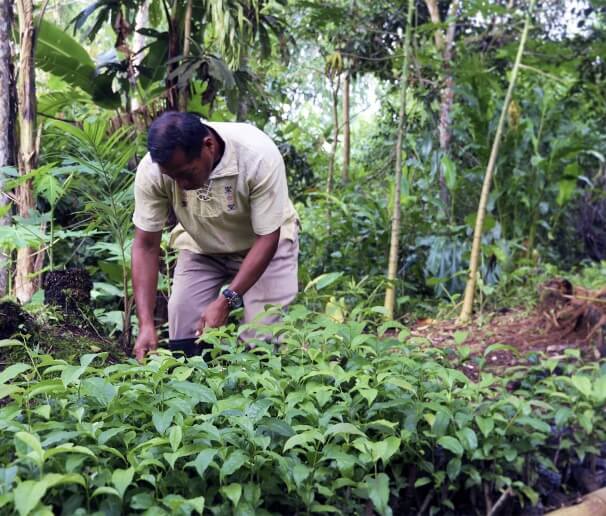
183, 147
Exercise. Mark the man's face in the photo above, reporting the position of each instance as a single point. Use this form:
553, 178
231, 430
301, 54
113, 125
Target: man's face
190, 174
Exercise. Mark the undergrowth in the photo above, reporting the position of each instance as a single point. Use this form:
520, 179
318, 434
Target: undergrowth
344, 417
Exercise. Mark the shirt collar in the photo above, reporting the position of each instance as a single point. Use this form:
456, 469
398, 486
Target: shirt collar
228, 165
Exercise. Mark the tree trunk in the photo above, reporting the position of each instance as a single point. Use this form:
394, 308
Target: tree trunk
26, 94
445, 45
346, 127
470, 288
172, 96
392, 269
335, 134
6, 127
446, 101
141, 21
184, 88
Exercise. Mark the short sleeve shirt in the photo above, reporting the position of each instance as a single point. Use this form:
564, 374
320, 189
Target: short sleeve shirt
247, 195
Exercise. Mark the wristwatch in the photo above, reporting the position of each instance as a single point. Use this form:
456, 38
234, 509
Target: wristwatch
234, 300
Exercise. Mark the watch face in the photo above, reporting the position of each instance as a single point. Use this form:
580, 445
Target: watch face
234, 299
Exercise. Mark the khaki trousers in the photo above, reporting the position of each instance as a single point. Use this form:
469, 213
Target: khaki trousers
198, 279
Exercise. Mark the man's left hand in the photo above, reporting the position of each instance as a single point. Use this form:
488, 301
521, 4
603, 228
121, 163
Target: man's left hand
215, 315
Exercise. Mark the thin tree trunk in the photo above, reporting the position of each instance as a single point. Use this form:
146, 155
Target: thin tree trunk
172, 97
26, 94
346, 127
392, 268
470, 288
184, 88
444, 45
6, 115
335, 134
446, 101
141, 21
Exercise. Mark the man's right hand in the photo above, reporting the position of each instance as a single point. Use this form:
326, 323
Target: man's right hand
147, 341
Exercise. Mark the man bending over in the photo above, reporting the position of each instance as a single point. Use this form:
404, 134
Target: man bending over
226, 184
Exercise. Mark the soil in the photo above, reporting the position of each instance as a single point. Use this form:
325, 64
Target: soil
61, 338
68, 289
566, 317
13, 320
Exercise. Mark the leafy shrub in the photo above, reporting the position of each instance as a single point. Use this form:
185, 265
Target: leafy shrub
334, 420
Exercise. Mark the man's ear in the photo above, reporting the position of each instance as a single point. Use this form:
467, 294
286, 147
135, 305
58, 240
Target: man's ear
208, 142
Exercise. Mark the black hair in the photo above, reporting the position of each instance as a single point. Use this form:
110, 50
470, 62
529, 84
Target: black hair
174, 129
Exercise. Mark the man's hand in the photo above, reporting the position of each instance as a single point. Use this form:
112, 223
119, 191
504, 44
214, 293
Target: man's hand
147, 341
215, 315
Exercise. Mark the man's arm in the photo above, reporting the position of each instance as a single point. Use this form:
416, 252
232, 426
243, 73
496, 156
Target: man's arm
253, 266
145, 256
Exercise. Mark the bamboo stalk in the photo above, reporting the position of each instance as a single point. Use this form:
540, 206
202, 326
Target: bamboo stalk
392, 268
470, 288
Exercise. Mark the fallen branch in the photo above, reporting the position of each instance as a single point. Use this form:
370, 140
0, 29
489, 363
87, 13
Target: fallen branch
502, 499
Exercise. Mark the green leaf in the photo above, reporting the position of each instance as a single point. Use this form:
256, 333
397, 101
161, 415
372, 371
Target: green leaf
306, 437
71, 374
535, 423
485, 424
61, 55
277, 427
174, 437
599, 389
203, 460
233, 492
469, 438
105, 490
566, 190
6, 343
37, 453
162, 420
582, 384
13, 371
234, 462
300, 473
142, 501
343, 428
562, 416
423, 481
384, 450
99, 389
27, 495
440, 423
501, 347
195, 391
323, 281
197, 503
378, 492
453, 468
122, 478
451, 444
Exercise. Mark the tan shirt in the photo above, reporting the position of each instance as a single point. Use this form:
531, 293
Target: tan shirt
247, 195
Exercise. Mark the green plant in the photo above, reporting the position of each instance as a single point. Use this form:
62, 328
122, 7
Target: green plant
104, 182
343, 416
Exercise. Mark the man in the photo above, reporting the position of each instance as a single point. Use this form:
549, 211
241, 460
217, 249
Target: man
226, 183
